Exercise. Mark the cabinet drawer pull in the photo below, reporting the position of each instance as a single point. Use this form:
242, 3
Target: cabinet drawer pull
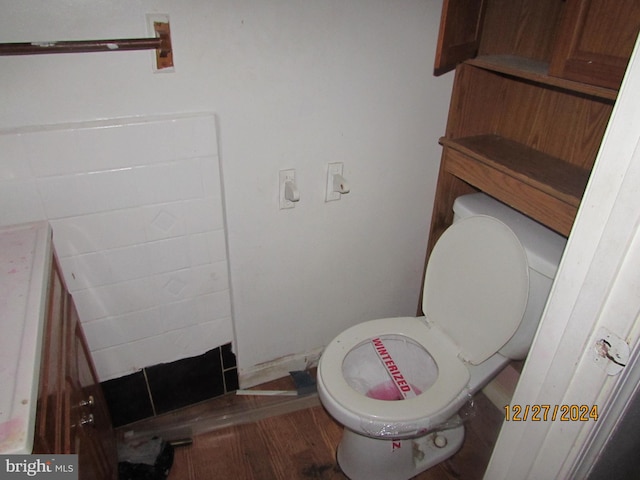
90, 402
87, 420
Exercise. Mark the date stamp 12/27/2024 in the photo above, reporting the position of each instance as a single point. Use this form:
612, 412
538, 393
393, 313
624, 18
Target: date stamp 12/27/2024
544, 413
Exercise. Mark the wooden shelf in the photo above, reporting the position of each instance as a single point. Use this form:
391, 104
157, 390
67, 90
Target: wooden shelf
538, 71
546, 188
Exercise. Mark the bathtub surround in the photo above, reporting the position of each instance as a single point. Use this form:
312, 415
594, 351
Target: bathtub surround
136, 211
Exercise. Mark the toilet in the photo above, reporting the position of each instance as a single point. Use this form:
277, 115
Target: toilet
402, 387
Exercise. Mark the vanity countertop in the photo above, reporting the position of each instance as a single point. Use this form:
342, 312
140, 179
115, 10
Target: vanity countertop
25, 257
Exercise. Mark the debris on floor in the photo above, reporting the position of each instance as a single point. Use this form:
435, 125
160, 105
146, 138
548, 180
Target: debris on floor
145, 460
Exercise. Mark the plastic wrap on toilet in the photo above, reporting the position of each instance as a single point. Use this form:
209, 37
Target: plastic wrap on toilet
467, 412
391, 430
445, 420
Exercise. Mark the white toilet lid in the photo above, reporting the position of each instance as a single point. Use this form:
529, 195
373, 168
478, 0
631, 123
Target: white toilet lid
476, 285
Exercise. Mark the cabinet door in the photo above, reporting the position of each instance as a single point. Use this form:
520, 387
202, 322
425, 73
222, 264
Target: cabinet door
459, 36
90, 432
595, 41
49, 428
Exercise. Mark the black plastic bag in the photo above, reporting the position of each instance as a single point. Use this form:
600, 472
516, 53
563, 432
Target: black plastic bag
159, 470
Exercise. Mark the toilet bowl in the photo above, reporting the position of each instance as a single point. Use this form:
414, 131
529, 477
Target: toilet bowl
398, 384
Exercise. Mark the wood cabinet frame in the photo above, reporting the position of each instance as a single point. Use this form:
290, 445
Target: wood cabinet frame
72, 417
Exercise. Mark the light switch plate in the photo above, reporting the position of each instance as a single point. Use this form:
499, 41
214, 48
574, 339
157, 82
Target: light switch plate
284, 177
332, 169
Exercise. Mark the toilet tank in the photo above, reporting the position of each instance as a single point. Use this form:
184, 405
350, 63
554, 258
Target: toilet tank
543, 248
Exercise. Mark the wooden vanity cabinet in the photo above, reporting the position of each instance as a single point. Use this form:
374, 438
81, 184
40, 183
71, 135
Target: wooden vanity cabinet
72, 416
523, 126
48, 434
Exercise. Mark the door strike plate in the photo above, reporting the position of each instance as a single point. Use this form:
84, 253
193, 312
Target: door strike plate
610, 352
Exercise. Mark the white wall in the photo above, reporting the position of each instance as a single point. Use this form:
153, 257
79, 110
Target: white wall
294, 84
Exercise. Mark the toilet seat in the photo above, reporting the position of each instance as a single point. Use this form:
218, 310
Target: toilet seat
394, 418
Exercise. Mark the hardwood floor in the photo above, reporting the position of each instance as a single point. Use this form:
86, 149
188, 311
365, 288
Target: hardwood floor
296, 445
262, 438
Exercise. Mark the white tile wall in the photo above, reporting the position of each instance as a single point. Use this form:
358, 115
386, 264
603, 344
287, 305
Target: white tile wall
137, 216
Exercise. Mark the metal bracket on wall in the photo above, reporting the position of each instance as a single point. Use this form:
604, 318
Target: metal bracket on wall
158, 26
164, 54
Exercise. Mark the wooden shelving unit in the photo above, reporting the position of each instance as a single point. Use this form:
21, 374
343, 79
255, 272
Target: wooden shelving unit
535, 85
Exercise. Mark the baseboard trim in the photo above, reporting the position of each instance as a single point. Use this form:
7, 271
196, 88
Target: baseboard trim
278, 368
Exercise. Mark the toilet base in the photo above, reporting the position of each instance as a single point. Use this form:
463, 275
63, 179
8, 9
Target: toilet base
367, 458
